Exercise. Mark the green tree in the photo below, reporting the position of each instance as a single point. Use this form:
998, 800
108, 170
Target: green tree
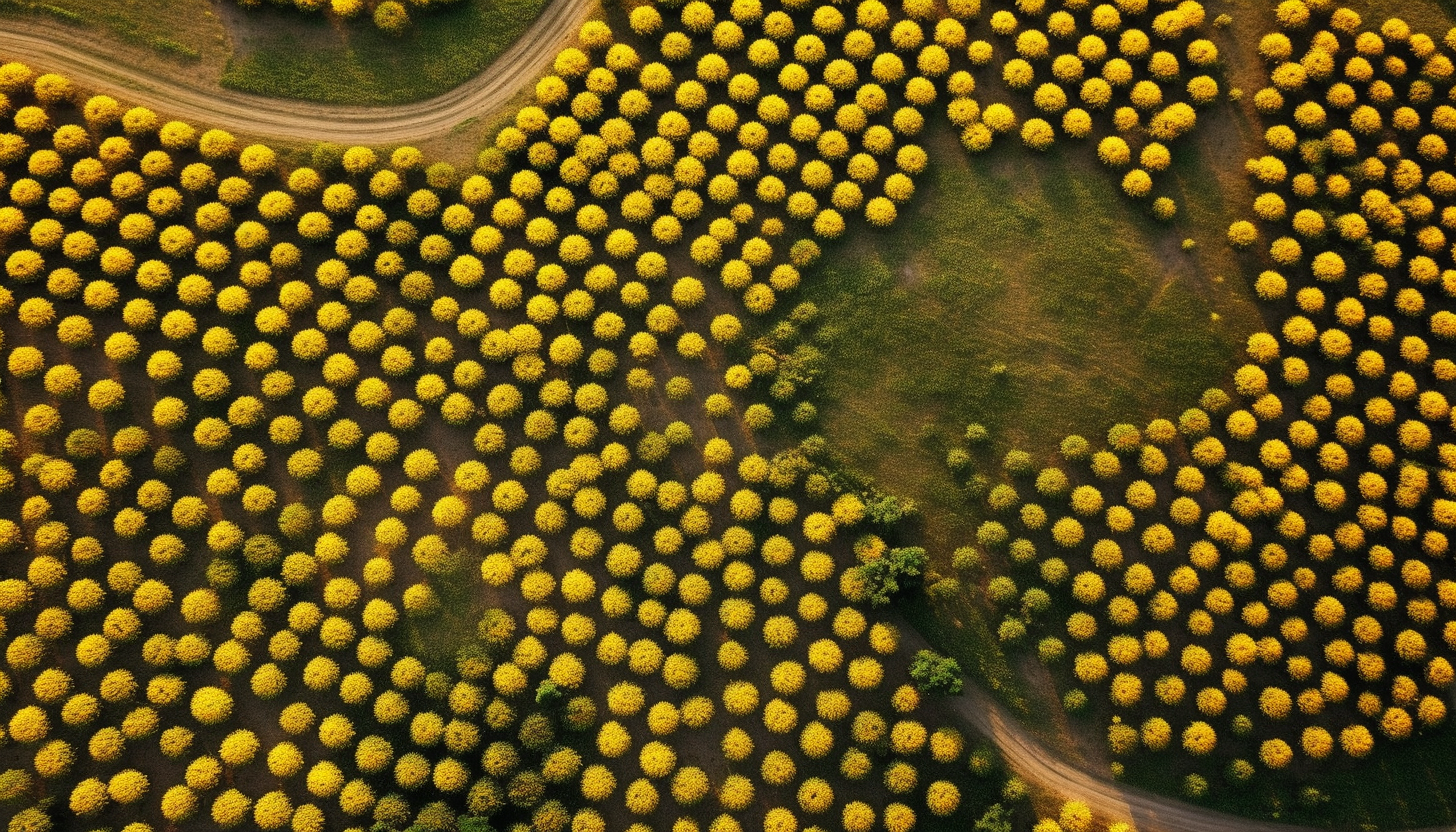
391, 17
892, 573
995, 819
548, 694
934, 673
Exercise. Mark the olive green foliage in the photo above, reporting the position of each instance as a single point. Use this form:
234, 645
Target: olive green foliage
934, 673
897, 571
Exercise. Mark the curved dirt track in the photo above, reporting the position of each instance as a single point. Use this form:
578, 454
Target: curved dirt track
1108, 799
63, 48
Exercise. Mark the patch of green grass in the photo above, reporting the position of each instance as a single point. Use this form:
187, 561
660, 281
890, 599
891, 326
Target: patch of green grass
1430, 16
288, 55
435, 639
57, 12
172, 47
1035, 263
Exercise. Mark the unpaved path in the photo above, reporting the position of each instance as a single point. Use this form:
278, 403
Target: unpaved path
54, 46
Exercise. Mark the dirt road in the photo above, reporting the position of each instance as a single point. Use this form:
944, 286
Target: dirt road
53, 46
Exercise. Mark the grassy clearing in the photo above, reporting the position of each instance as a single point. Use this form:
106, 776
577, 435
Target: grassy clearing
1430, 16
287, 55
1036, 264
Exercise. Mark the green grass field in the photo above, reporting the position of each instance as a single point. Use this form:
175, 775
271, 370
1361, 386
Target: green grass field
1094, 310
